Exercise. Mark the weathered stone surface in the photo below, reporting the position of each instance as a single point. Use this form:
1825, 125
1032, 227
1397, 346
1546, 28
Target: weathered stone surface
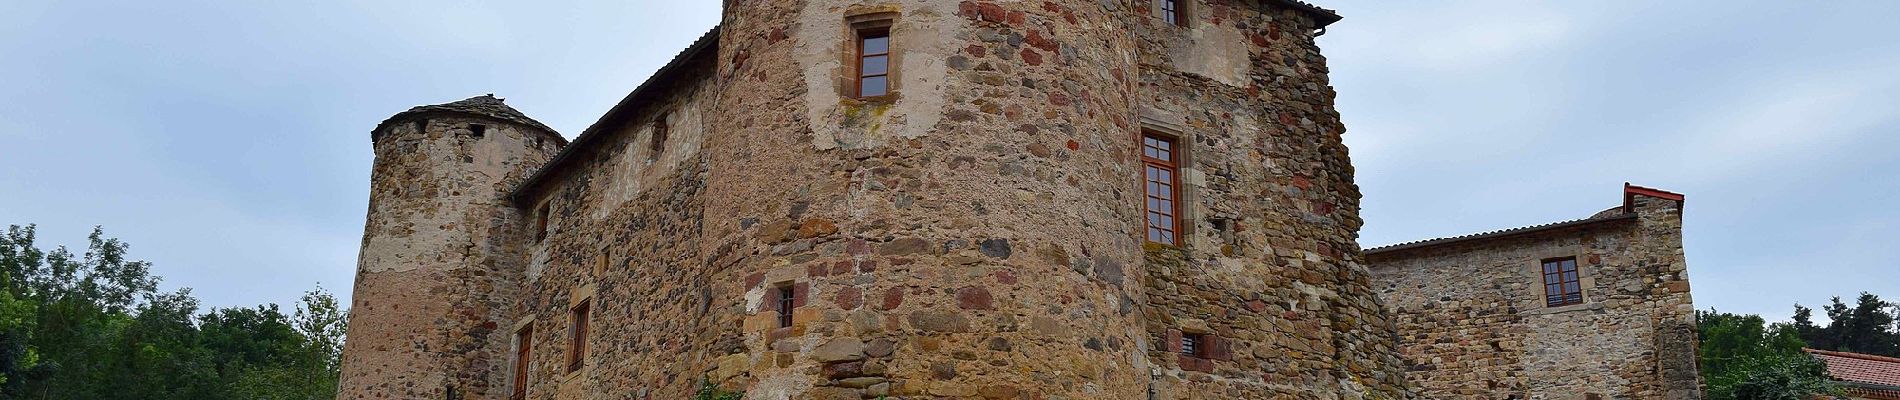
939, 321
748, 177
1475, 322
839, 349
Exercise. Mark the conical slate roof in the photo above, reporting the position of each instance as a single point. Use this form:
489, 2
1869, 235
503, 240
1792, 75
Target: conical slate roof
482, 106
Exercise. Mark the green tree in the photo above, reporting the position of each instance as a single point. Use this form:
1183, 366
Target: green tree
1742, 357
94, 326
1867, 327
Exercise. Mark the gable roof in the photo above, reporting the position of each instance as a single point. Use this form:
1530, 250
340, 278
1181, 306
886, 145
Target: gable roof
1865, 373
706, 46
1600, 218
487, 106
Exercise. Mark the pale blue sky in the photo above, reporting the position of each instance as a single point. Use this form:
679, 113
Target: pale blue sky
228, 140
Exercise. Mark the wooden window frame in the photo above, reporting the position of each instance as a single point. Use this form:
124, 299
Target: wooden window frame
1170, 164
865, 27
1558, 281
1171, 12
579, 327
524, 351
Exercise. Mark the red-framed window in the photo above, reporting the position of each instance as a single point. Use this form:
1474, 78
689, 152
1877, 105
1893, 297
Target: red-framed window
1563, 285
524, 342
580, 325
874, 62
1161, 182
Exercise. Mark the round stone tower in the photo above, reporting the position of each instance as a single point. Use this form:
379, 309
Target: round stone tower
979, 201
441, 259
945, 199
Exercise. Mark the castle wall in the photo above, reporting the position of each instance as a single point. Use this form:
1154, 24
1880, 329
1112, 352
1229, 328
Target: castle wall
933, 237
1268, 269
441, 257
1474, 324
624, 235
977, 234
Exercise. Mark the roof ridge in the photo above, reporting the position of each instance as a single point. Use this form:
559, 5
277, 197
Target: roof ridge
1862, 356
1600, 217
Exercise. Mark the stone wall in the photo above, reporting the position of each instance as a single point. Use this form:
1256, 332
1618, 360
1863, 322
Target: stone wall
1268, 266
975, 235
625, 223
441, 256
1474, 324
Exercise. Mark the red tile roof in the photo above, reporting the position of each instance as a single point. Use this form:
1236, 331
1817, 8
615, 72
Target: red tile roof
1879, 376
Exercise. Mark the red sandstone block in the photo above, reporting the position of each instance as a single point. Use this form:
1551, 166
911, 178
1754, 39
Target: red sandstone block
991, 12
893, 297
1031, 57
974, 298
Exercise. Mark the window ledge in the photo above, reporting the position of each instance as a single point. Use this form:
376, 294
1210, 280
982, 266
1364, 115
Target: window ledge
1588, 306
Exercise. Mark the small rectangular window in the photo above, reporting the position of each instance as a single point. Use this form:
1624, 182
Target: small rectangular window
579, 325
477, 130
524, 342
1194, 344
1171, 12
787, 300
874, 62
1562, 284
1159, 156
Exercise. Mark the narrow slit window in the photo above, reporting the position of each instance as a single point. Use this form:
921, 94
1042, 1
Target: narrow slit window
787, 299
579, 326
541, 222
874, 62
1563, 285
657, 144
524, 342
1159, 156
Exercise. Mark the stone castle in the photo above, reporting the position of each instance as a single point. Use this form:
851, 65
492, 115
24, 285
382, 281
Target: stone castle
835, 199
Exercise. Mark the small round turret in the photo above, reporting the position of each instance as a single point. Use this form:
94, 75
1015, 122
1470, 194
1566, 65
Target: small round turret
440, 250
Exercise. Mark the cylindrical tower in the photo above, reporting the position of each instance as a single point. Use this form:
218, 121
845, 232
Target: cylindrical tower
940, 193
440, 261
951, 199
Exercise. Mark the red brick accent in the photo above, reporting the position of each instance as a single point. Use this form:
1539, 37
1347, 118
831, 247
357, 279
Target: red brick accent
1172, 341
1220, 348
752, 281
800, 291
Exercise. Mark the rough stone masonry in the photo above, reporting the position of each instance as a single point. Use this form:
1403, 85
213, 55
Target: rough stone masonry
749, 219
1477, 321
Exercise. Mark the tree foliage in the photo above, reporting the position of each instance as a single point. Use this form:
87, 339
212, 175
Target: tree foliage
94, 326
1742, 357
1867, 327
